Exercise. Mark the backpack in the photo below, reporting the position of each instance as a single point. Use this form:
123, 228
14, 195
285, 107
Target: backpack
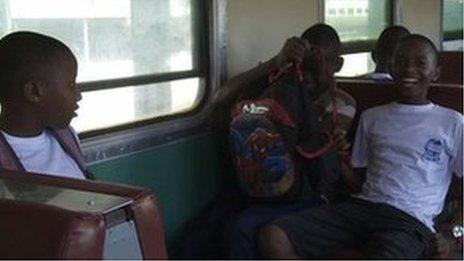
65, 137
295, 156
268, 171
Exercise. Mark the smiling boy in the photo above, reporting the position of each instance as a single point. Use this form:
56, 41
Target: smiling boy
408, 151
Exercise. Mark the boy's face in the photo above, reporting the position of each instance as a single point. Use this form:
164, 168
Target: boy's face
60, 101
414, 68
319, 67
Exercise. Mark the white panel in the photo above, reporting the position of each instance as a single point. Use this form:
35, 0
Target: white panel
121, 242
423, 17
257, 29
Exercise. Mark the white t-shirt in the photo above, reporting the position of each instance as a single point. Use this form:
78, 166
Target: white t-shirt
44, 154
410, 152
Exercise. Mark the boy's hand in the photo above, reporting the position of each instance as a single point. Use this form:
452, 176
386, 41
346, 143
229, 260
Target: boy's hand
293, 50
441, 246
339, 140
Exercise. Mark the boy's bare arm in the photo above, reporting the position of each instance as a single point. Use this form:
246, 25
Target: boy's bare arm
228, 94
292, 51
354, 178
444, 244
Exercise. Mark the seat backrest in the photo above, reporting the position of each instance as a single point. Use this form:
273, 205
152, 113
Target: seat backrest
369, 93
30, 218
31, 231
450, 63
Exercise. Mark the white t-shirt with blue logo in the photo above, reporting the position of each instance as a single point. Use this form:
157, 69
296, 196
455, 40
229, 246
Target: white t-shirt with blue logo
410, 152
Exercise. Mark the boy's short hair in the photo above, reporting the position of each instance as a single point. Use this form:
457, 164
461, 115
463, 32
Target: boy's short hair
423, 39
389, 39
325, 35
24, 55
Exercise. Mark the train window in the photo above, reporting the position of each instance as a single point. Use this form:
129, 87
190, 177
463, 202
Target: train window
359, 23
356, 64
452, 24
138, 59
135, 103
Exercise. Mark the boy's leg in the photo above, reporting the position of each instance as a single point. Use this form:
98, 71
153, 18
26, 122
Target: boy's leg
395, 235
395, 244
242, 227
203, 240
315, 232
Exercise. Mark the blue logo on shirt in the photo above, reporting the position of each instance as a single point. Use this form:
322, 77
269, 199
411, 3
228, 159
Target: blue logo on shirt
433, 149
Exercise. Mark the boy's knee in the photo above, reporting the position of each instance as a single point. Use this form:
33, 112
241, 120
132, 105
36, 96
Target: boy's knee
274, 243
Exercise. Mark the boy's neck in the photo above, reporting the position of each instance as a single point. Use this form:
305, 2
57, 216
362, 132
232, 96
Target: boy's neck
324, 88
19, 126
382, 69
413, 102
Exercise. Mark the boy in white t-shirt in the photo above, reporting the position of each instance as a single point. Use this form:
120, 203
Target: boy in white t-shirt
408, 151
38, 97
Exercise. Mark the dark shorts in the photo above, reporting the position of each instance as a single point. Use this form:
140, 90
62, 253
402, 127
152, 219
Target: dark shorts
378, 230
241, 228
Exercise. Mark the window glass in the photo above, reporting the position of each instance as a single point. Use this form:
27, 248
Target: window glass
356, 64
136, 103
115, 39
452, 24
357, 20
359, 24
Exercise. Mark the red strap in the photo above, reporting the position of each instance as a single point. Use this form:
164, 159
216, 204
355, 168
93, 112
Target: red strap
345, 157
299, 74
275, 76
317, 153
334, 110
330, 143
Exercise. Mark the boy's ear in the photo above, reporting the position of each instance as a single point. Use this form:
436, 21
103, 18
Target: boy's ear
339, 64
437, 74
34, 91
374, 56
390, 68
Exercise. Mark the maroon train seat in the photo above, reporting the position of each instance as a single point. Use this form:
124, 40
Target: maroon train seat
45, 217
450, 63
369, 93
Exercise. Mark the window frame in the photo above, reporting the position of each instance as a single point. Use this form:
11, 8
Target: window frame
137, 137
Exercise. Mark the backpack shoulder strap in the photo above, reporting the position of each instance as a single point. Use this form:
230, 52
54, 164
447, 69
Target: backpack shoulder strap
70, 145
8, 158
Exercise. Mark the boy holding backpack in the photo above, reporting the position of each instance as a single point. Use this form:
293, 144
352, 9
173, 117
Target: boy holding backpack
287, 140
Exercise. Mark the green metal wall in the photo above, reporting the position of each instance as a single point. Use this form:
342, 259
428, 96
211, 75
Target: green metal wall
185, 176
